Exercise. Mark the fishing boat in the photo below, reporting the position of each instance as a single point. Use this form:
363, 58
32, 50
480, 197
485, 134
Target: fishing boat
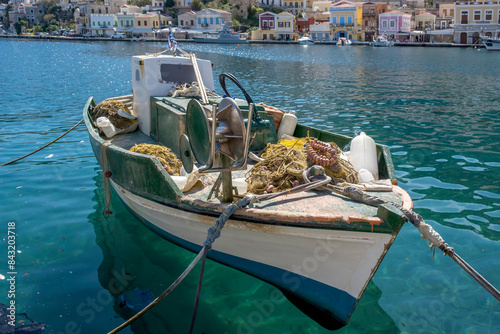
382, 41
342, 41
225, 36
312, 242
305, 40
491, 44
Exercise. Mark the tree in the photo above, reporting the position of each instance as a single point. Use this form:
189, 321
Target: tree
20, 25
37, 28
169, 3
196, 5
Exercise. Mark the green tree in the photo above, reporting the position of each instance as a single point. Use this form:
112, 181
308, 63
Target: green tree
20, 25
196, 5
169, 3
37, 28
53, 27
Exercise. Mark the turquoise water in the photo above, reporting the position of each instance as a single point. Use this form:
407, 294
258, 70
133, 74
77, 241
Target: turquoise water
436, 108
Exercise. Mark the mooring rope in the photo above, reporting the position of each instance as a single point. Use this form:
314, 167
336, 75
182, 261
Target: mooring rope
425, 229
163, 295
41, 148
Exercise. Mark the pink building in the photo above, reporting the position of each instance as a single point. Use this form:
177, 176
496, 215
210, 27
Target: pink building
395, 24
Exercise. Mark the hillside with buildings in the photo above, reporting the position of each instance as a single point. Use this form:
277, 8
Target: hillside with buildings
408, 20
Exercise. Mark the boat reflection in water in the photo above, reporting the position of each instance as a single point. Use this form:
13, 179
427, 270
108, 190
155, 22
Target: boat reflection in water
137, 262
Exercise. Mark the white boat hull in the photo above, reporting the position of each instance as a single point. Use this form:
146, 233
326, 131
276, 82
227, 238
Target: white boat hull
491, 44
331, 268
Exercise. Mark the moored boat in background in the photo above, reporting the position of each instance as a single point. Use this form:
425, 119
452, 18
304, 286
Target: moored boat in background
225, 36
305, 40
491, 44
382, 41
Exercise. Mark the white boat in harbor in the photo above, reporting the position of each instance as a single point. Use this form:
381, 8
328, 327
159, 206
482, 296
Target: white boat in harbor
382, 41
225, 36
491, 44
342, 41
305, 40
320, 248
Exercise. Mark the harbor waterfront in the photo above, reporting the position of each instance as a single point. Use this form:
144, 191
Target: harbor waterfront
437, 110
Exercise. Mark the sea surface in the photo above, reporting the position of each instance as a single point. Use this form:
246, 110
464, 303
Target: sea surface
438, 109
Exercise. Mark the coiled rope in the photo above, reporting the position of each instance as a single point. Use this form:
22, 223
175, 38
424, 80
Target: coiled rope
44, 146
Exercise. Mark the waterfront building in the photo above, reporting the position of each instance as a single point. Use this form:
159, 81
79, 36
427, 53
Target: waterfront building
369, 19
214, 20
476, 19
285, 24
395, 24
267, 27
102, 25
187, 20
303, 24
294, 6
149, 24
32, 12
446, 14
125, 21
343, 20
320, 31
130, 9
424, 25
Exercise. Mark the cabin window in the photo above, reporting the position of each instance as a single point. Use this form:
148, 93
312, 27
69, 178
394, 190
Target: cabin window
349, 20
199, 21
280, 24
384, 24
392, 23
477, 15
334, 20
488, 16
366, 23
217, 21
211, 20
177, 73
139, 23
145, 23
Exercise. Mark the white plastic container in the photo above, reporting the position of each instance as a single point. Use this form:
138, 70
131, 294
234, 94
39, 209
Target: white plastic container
364, 154
107, 127
287, 125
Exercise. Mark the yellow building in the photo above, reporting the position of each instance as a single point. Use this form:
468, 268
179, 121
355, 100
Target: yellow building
476, 19
145, 25
344, 17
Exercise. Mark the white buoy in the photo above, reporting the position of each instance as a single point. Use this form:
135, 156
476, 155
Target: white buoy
364, 154
287, 125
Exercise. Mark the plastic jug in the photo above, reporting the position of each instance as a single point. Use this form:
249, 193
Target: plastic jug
364, 154
107, 127
287, 125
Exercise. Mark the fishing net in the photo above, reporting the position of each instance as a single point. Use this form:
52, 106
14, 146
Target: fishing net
285, 162
168, 159
109, 108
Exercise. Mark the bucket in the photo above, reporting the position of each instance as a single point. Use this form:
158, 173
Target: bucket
106, 126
